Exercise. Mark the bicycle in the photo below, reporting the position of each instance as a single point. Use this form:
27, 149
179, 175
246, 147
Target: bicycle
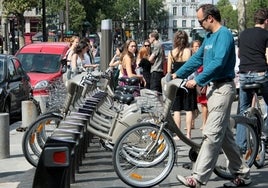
255, 111
106, 127
145, 153
38, 131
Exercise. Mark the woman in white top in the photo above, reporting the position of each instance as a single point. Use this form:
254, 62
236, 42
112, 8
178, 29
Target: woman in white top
78, 58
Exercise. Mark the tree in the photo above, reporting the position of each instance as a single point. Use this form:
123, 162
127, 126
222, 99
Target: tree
17, 8
228, 14
77, 14
241, 12
251, 7
119, 10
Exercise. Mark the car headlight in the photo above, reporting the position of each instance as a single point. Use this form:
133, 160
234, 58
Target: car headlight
41, 85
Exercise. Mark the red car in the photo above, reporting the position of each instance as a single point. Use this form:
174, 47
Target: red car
42, 62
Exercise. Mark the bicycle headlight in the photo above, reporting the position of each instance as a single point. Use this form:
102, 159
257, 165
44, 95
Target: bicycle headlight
41, 85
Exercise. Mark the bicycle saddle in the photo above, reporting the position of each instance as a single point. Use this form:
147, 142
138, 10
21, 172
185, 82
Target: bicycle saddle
124, 98
130, 81
127, 89
250, 86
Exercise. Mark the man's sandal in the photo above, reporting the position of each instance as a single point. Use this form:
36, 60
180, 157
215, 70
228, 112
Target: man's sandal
238, 182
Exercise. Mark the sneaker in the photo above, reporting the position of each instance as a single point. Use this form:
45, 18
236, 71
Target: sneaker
238, 182
189, 181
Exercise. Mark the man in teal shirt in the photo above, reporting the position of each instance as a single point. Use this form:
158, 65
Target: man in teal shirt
217, 56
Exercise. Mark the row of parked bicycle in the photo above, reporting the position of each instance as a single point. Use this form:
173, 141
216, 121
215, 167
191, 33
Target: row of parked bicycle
138, 130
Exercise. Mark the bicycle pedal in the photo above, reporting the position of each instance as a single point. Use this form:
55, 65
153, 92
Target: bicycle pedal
21, 129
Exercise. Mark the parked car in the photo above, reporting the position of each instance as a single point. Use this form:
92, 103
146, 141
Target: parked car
42, 62
15, 85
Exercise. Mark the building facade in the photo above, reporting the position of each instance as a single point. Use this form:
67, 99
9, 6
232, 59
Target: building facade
181, 15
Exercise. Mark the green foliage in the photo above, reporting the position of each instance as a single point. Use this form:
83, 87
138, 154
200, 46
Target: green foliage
18, 6
252, 6
228, 15
119, 10
77, 16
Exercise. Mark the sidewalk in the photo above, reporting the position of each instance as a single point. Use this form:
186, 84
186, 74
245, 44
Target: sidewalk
15, 169
97, 170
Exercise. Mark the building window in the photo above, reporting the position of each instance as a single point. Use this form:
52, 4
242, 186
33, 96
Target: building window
175, 25
183, 1
174, 11
183, 11
192, 1
38, 11
183, 23
192, 23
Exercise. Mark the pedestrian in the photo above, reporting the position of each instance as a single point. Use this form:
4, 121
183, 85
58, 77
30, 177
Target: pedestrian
156, 58
128, 61
89, 62
253, 54
115, 64
184, 100
73, 44
217, 56
144, 64
78, 58
147, 45
201, 97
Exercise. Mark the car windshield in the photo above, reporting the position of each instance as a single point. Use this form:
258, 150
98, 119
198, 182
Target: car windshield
42, 63
198, 34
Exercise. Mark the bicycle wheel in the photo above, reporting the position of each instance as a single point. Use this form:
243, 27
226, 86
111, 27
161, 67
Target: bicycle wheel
221, 168
35, 137
260, 159
142, 160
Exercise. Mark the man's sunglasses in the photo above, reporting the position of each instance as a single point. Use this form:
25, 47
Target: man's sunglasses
201, 21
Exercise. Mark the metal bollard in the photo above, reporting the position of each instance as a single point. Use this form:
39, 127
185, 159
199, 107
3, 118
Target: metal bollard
4, 136
28, 113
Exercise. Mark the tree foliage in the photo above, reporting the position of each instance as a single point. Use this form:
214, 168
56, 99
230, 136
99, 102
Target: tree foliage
119, 10
228, 14
251, 7
19, 6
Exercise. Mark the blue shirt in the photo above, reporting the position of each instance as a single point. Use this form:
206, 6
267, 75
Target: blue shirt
216, 54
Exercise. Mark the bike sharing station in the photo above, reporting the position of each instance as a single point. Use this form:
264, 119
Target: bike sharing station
92, 109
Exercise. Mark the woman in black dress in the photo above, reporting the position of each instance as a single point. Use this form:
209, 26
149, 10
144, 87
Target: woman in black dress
184, 100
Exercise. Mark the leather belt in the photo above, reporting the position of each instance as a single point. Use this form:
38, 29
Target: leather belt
224, 80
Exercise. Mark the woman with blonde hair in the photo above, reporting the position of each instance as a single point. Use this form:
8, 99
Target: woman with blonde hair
73, 44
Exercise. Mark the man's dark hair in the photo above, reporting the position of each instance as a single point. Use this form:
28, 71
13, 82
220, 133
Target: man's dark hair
155, 35
210, 10
260, 15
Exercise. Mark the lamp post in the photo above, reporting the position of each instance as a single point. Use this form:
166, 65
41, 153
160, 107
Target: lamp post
44, 21
12, 33
143, 17
67, 27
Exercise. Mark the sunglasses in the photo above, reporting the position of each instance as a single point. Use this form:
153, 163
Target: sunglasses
201, 21
146, 45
